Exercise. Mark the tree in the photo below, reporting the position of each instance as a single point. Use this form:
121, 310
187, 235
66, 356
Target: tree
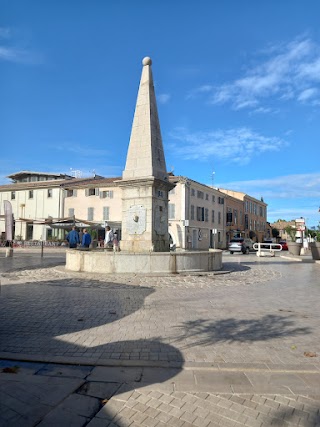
291, 231
275, 232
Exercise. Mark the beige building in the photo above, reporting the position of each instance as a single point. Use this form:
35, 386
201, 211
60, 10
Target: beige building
200, 217
250, 219
196, 211
196, 215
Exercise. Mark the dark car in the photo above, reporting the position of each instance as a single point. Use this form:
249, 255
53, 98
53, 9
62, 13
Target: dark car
284, 245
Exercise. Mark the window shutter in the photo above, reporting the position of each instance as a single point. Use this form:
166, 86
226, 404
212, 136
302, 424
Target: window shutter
90, 214
74, 193
96, 191
106, 211
87, 192
111, 194
171, 211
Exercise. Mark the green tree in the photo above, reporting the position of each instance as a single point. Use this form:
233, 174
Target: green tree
291, 231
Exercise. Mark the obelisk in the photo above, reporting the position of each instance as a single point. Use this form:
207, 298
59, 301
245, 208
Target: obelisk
145, 184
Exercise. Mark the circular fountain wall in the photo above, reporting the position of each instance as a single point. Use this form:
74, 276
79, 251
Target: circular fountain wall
100, 261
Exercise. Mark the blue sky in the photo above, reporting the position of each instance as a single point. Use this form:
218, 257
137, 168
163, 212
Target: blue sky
237, 84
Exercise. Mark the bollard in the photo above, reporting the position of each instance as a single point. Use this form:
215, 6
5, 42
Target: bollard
9, 252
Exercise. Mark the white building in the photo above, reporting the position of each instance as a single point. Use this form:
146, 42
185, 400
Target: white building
36, 198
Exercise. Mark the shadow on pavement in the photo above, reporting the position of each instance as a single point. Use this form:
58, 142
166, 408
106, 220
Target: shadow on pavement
57, 318
268, 327
30, 261
305, 417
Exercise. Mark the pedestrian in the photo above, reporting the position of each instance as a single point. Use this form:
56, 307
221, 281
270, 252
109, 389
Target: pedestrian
115, 243
86, 239
73, 238
108, 240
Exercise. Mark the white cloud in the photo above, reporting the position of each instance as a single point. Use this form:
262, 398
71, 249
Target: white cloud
236, 145
15, 54
282, 187
163, 98
308, 94
288, 197
285, 71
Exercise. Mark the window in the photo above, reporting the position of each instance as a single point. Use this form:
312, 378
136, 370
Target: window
212, 216
92, 191
229, 218
200, 194
206, 215
108, 194
71, 193
200, 214
71, 212
193, 192
213, 199
30, 194
219, 217
13, 195
106, 213
221, 200
90, 214
49, 192
192, 212
207, 196
160, 193
171, 211
235, 215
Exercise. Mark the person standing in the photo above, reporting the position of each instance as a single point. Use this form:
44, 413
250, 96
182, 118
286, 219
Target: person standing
86, 239
115, 242
73, 238
108, 240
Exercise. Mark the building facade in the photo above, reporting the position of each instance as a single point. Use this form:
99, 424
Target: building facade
248, 219
196, 215
200, 217
35, 198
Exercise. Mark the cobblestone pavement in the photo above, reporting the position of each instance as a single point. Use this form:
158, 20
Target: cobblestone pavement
230, 348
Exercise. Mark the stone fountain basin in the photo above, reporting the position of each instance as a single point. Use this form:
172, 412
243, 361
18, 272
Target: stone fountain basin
102, 261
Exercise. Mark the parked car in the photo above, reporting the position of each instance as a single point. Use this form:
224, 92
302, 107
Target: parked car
267, 246
241, 244
284, 245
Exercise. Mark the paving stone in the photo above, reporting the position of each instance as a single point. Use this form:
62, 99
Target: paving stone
99, 389
85, 406
221, 352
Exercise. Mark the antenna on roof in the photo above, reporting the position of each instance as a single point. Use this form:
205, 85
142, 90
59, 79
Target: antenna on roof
212, 178
76, 173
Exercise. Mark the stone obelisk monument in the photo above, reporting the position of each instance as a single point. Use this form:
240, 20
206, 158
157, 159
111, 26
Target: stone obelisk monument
145, 184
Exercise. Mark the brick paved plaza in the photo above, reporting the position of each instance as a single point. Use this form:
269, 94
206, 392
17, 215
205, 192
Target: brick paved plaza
238, 347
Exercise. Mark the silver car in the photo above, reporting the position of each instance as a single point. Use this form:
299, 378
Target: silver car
241, 244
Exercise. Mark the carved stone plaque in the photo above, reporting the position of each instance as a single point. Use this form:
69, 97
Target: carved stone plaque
136, 219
